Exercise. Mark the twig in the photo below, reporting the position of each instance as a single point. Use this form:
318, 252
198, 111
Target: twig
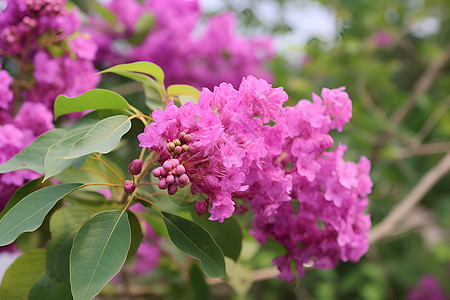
432, 120
424, 149
387, 225
421, 86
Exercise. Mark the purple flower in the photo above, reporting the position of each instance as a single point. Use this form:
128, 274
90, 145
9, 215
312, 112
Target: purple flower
428, 288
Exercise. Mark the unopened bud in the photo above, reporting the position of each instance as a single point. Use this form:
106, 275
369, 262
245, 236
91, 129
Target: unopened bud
167, 165
178, 150
185, 148
172, 189
180, 170
183, 180
201, 207
170, 179
157, 172
135, 167
162, 184
129, 186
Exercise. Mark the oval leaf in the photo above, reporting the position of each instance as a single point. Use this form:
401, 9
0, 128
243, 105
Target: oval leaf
92, 99
190, 92
32, 157
54, 163
29, 213
143, 27
46, 288
103, 137
143, 67
20, 193
22, 275
196, 242
99, 250
228, 235
64, 224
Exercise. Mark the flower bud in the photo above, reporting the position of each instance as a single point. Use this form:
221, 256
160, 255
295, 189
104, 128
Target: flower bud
157, 172
162, 184
180, 170
167, 165
129, 186
172, 189
177, 142
178, 150
185, 148
170, 179
135, 167
201, 207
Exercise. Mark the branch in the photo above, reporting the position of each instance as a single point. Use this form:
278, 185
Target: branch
424, 149
388, 224
421, 86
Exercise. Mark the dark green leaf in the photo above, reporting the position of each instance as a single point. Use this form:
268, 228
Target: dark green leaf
92, 99
22, 275
228, 235
64, 224
196, 242
143, 27
46, 288
143, 67
29, 213
198, 284
20, 193
136, 233
99, 250
32, 157
103, 137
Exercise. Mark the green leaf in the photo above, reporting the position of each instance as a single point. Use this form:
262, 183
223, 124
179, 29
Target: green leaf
143, 67
143, 27
29, 213
54, 163
184, 92
199, 286
104, 12
64, 224
196, 242
99, 250
20, 193
103, 137
136, 233
92, 99
22, 274
46, 288
32, 157
228, 235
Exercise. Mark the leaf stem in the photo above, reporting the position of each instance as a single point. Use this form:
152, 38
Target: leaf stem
108, 166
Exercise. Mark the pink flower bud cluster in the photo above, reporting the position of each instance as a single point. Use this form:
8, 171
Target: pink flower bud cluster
200, 58
171, 176
33, 36
236, 158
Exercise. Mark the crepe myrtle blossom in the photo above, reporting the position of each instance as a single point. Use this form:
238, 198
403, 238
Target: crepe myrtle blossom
241, 148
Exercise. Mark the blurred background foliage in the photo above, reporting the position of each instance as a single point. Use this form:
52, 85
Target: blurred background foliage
393, 58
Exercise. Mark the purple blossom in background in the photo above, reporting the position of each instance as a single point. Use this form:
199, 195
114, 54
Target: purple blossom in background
428, 288
233, 157
33, 38
201, 57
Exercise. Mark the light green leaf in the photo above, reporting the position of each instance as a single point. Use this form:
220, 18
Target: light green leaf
103, 137
22, 275
54, 163
46, 288
64, 224
32, 157
92, 99
228, 235
184, 92
29, 213
143, 27
104, 12
99, 250
143, 67
196, 242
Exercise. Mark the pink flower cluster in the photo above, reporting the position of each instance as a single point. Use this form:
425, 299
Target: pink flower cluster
201, 59
33, 45
244, 148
